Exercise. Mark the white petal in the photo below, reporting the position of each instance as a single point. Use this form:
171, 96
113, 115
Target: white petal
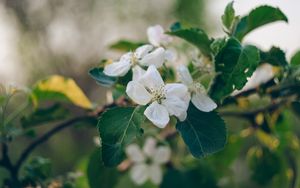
156, 58
184, 75
170, 55
175, 89
154, 34
126, 57
137, 73
138, 93
175, 105
157, 114
155, 174
203, 102
134, 153
157, 37
162, 155
182, 116
152, 78
139, 173
140, 52
149, 146
118, 68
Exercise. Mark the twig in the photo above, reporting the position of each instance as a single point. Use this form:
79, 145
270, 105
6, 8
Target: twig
56, 129
251, 113
7, 164
246, 93
46, 136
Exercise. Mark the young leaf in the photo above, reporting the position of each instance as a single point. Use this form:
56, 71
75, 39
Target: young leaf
275, 56
98, 174
194, 36
102, 79
233, 64
258, 17
228, 16
296, 58
58, 88
126, 45
203, 132
118, 127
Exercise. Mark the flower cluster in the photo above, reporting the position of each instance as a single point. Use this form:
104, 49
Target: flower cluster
147, 162
147, 86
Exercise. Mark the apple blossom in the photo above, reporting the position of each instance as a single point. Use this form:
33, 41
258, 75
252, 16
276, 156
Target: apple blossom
198, 94
157, 37
165, 99
147, 162
145, 55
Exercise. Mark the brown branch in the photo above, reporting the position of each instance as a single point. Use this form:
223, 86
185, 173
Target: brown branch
252, 113
46, 136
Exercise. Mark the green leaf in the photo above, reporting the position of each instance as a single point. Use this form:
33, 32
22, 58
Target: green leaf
118, 127
217, 45
38, 169
264, 164
199, 176
256, 18
102, 79
233, 64
118, 91
296, 58
228, 16
45, 115
194, 36
126, 45
296, 107
275, 56
203, 132
100, 176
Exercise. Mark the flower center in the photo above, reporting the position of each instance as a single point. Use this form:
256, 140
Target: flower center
134, 60
158, 94
196, 88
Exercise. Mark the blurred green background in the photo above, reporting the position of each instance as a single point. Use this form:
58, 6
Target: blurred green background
45, 37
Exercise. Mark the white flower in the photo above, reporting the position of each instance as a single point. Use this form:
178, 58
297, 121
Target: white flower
97, 141
145, 55
198, 94
157, 36
165, 99
147, 162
